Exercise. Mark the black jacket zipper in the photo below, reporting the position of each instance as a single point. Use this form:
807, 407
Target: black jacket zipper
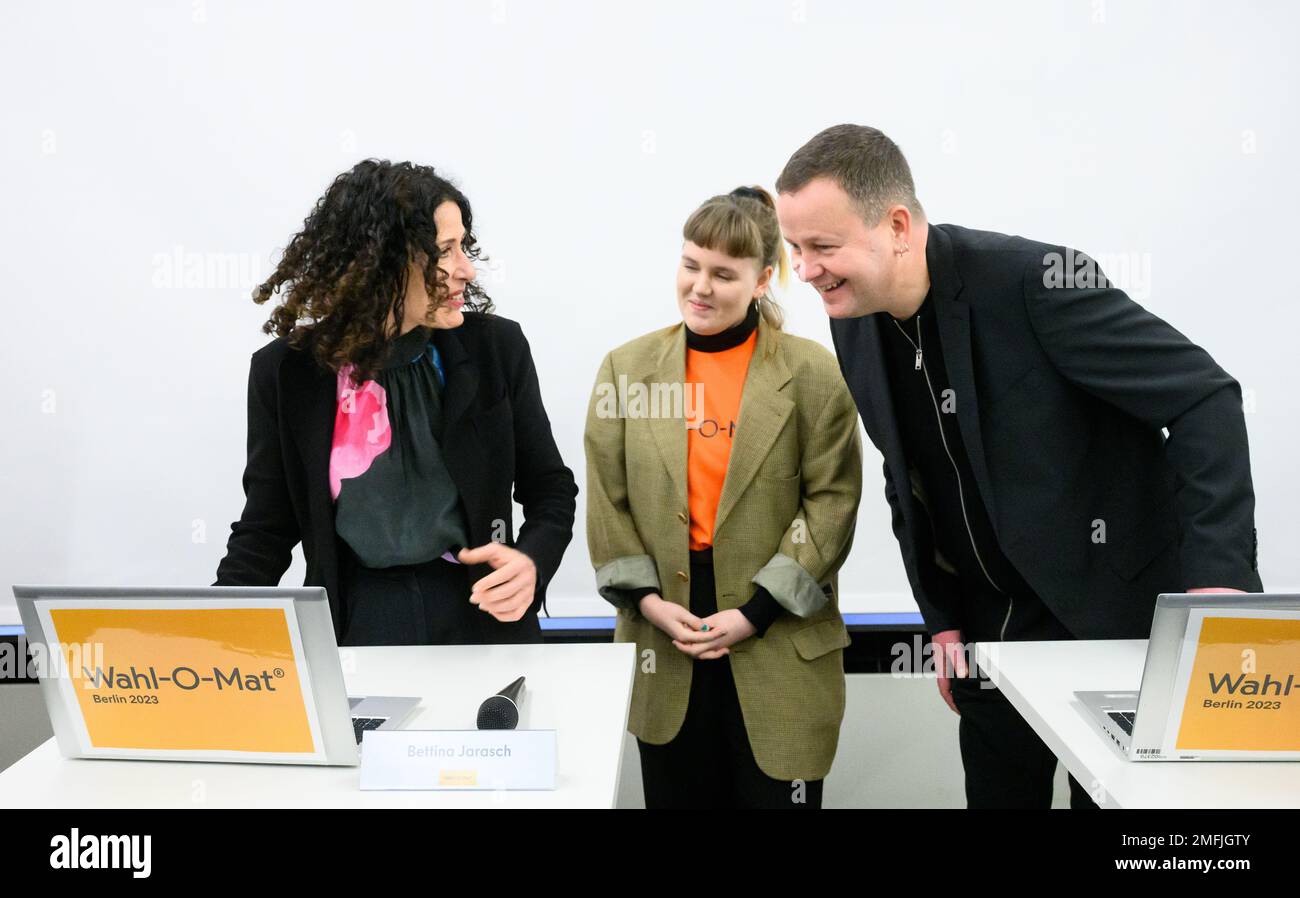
961, 491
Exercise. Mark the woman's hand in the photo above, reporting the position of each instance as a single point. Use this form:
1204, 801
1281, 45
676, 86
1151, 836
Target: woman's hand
729, 627
678, 622
507, 592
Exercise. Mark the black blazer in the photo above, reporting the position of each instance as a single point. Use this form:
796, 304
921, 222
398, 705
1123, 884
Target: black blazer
1061, 396
497, 436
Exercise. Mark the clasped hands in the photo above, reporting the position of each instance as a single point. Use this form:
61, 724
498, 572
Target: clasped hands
701, 638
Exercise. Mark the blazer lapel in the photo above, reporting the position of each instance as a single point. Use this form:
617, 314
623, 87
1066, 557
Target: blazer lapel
873, 378
670, 431
462, 377
952, 314
763, 412
309, 398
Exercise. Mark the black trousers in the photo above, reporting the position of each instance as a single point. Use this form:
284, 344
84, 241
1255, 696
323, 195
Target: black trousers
420, 604
1007, 765
709, 764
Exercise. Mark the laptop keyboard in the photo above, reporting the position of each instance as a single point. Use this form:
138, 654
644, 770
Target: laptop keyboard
361, 724
1124, 719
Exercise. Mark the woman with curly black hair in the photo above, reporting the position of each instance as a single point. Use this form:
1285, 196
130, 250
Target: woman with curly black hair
389, 422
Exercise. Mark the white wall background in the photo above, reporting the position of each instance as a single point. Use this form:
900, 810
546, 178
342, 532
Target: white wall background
182, 143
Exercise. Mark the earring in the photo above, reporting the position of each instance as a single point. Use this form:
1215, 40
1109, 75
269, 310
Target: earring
903, 251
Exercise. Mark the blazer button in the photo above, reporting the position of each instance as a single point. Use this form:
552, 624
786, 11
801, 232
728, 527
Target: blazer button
682, 574
681, 516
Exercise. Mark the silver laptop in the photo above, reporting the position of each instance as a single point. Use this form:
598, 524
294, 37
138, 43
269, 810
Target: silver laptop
1136, 722
343, 719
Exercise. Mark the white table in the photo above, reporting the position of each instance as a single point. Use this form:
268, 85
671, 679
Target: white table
1040, 679
581, 691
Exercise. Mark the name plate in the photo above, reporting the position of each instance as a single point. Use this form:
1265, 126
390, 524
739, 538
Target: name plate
461, 760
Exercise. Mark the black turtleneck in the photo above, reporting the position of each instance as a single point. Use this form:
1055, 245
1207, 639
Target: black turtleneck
728, 339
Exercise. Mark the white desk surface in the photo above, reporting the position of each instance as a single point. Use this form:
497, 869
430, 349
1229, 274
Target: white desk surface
1040, 679
581, 691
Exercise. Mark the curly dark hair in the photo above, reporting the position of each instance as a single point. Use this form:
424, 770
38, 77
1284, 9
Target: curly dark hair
346, 270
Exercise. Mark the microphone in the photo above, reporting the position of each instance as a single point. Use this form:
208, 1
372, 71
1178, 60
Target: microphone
501, 711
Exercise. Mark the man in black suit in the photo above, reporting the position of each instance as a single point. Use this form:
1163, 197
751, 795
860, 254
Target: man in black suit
1020, 402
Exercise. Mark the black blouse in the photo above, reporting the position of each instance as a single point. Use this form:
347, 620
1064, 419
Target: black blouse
396, 503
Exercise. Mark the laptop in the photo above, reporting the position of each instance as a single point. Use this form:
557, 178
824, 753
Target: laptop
339, 720
1140, 724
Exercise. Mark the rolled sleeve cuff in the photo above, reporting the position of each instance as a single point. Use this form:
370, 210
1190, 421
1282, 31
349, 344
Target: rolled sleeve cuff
793, 587
623, 582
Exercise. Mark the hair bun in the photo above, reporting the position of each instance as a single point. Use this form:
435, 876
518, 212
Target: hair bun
755, 193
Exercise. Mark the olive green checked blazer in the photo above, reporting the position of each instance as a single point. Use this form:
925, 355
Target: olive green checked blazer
785, 520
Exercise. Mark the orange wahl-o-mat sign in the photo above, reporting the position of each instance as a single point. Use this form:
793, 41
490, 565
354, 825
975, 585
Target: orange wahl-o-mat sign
1243, 693
208, 680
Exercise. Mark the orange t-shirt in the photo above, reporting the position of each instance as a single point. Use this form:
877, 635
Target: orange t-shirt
709, 434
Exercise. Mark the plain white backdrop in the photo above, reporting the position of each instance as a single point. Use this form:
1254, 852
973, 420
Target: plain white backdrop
157, 157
